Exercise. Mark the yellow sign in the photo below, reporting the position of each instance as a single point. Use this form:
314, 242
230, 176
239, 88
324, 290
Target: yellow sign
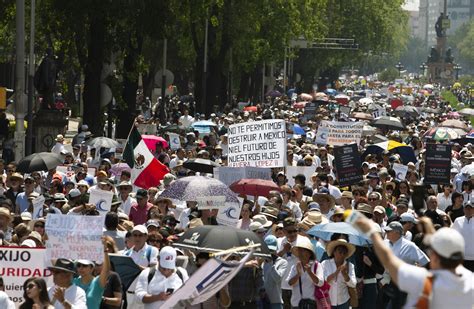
3, 98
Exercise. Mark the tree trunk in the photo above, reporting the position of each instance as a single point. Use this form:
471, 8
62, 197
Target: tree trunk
93, 115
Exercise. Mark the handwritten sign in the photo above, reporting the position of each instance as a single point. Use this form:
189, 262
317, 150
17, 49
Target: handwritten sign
339, 133
38, 206
348, 164
19, 264
258, 143
101, 199
229, 175
74, 237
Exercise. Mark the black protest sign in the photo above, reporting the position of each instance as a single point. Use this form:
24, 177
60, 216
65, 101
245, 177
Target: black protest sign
348, 164
310, 110
437, 164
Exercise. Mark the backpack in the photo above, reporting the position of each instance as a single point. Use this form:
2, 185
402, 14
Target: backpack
153, 271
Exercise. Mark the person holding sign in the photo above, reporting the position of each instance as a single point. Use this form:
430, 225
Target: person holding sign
93, 286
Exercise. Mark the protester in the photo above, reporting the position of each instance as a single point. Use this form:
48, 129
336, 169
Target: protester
35, 293
65, 294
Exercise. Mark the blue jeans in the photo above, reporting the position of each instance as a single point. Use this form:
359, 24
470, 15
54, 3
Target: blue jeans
343, 306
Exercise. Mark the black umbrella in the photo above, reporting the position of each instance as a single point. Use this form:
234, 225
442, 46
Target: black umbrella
388, 123
41, 161
406, 110
201, 165
126, 268
216, 238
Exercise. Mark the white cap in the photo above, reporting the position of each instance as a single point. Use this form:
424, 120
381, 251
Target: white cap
74, 193
28, 243
448, 243
168, 257
255, 226
26, 216
372, 165
408, 217
140, 228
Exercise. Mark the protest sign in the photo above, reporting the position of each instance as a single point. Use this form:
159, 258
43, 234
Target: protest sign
17, 265
175, 142
438, 164
229, 214
258, 143
310, 110
206, 282
379, 112
229, 175
38, 206
348, 164
400, 171
338, 133
345, 110
147, 128
74, 237
101, 199
66, 170
292, 171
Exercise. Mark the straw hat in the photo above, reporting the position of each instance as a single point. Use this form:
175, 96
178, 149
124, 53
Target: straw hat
326, 196
304, 243
340, 242
6, 213
16, 176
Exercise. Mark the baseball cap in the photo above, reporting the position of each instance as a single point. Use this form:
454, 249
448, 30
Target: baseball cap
168, 257
448, 243
271, 242
74, 193
394, 226
379, 209
408, 217
140, 228
152, 222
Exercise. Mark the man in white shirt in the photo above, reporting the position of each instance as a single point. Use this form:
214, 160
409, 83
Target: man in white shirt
452, 285
126, 201
186, 120
154, 288
64, 294
465, 226
58, 148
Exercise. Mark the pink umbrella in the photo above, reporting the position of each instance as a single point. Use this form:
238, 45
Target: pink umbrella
117, 169
151, 140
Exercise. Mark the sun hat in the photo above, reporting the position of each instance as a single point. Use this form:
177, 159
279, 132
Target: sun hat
168, 179
6, 213
125, 184
83, 183
16, 176
63, 265
323, 193
59, 197
152, 222
362, 207
85, 262
74, 193
26, 216
271, 242
270, 211
394, 226
28, 243
347, 194
140, 228
304, 243
168, 257
59, 138
262, 220
408, 217
448, 243
337, 211
255, 226
36, 237
380, 209
340, 242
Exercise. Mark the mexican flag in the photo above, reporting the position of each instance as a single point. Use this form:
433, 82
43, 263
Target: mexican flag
147, 171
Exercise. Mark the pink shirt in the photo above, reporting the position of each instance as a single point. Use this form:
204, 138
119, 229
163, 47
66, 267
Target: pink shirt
138, 215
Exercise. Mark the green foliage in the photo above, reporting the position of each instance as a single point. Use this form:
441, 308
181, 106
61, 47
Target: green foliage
388, 74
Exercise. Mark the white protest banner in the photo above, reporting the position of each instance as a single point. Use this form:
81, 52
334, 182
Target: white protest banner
229, 175
259, 143
74, 237
38, 206
101, 199
400, 171
208, 280
379, 113
17, 265
229, 214
175, 143
339, 133
292, 171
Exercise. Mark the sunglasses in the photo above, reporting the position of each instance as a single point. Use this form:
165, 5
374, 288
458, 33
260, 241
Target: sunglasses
30, 286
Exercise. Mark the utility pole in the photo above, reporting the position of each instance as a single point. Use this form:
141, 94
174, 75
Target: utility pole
20, 81
31, 88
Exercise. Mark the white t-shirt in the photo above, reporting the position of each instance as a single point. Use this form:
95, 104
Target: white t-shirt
73, 294
186, 121
449, 290
307, 285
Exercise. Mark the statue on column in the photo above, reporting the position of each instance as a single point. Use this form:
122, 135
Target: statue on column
434, 55
439, 26
45, 79
449, 56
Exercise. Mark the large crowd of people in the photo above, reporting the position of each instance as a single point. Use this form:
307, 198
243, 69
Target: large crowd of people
421, 248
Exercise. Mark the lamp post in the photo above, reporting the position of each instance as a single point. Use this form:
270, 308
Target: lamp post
423, 67
457, 68
399, 67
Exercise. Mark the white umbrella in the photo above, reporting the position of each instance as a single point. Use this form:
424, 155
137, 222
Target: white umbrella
428, 86
366, 101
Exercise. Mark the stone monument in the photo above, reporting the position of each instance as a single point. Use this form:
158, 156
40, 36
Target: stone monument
440, 60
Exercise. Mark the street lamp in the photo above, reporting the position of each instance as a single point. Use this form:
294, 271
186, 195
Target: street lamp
399, 67
457, 68
423, 67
